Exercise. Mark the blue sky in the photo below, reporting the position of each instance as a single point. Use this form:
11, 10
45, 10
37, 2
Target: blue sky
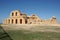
42, 8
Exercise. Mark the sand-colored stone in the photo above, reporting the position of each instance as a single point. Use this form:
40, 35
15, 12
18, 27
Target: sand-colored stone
16, 17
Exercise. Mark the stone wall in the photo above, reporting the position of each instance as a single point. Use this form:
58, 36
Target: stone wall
16, 17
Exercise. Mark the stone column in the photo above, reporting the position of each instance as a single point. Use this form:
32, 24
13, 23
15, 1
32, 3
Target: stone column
18, 20
7, 21
23, 21
14, 21
10, 21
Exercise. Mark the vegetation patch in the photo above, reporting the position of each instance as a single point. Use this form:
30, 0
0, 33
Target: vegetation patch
27, 35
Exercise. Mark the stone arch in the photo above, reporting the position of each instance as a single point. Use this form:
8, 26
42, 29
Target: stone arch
16, 21
12, 14
8, 20
12, 21
20, 21
16, 14
25, 21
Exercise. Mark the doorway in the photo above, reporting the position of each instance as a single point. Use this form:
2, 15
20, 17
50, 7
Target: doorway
20, 21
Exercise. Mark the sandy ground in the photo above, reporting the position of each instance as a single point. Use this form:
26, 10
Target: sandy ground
32, 27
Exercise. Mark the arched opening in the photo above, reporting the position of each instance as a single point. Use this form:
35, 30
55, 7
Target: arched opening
16, 21
26, 21
16, 14
12, 21
9, 21
20, 21
12, 14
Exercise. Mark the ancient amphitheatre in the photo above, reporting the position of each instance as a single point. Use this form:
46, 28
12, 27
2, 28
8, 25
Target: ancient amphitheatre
16, 17
18, 20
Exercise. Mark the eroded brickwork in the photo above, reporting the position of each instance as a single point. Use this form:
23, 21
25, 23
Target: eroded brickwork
16, 17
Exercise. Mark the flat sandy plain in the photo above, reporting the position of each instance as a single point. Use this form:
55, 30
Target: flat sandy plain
33, 32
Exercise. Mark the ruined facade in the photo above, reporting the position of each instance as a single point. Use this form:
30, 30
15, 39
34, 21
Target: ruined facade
16, 17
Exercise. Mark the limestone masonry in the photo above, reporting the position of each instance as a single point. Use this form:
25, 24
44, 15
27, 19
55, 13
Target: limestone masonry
16, 17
